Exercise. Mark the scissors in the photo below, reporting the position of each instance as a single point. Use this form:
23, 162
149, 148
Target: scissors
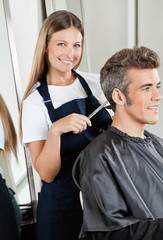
98, 109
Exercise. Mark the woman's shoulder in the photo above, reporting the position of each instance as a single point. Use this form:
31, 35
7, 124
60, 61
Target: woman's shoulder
33, 97
92, 79
90, 76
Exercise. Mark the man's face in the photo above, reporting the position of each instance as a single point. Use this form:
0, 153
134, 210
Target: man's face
144, 96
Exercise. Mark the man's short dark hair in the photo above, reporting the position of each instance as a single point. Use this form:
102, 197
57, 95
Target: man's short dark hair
114, 72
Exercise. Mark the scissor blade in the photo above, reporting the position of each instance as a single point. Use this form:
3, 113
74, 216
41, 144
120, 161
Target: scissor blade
97, 109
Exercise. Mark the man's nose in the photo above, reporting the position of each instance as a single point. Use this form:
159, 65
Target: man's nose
156, 95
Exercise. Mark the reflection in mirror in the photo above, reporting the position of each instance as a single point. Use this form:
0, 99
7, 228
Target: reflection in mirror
8, 144
15, 172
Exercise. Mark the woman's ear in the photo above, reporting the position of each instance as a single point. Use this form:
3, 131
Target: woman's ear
118, 97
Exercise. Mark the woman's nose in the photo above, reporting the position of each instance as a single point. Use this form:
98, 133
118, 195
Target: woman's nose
69, 52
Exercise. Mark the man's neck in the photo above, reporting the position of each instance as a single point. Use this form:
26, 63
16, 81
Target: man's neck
131, 128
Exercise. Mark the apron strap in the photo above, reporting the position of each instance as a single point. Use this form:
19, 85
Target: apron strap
84, 84
43, 90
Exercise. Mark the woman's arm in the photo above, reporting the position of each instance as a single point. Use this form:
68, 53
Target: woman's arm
45, 154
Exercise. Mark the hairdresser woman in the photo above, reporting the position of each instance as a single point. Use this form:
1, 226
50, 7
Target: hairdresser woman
55, 125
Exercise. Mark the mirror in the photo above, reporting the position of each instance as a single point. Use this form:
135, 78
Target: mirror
14, 172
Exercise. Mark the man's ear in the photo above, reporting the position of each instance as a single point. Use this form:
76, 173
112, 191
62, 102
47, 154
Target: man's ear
118, 97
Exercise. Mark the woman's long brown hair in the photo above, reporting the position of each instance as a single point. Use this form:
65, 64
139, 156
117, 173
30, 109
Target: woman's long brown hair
55, 22
9, 129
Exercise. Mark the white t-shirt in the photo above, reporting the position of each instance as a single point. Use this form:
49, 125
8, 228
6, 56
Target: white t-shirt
35, 118
2, 135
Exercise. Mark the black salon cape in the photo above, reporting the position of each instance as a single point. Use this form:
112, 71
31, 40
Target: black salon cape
121, 179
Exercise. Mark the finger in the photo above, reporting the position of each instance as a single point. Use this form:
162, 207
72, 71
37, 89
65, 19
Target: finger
78, 127
81, 117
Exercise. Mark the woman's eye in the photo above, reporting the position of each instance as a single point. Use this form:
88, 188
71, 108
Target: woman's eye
77, 45
61, 44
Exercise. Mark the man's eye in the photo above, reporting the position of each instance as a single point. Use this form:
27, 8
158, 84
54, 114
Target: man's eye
146, 89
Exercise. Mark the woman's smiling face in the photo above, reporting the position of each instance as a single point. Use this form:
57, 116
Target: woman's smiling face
64, 50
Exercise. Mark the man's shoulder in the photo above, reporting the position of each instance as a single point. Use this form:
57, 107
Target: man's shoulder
100, 140
107, 137
155, 138
103, 143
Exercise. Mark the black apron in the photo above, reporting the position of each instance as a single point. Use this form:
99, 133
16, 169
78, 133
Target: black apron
59, 212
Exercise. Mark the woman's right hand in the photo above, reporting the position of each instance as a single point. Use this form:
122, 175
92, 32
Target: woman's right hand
45, 154
73, 122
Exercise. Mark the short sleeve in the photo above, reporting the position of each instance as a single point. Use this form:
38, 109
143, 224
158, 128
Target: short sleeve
2, 135
35, 124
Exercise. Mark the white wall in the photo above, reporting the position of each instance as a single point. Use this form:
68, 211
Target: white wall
110, 26
106, 29
150, 34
